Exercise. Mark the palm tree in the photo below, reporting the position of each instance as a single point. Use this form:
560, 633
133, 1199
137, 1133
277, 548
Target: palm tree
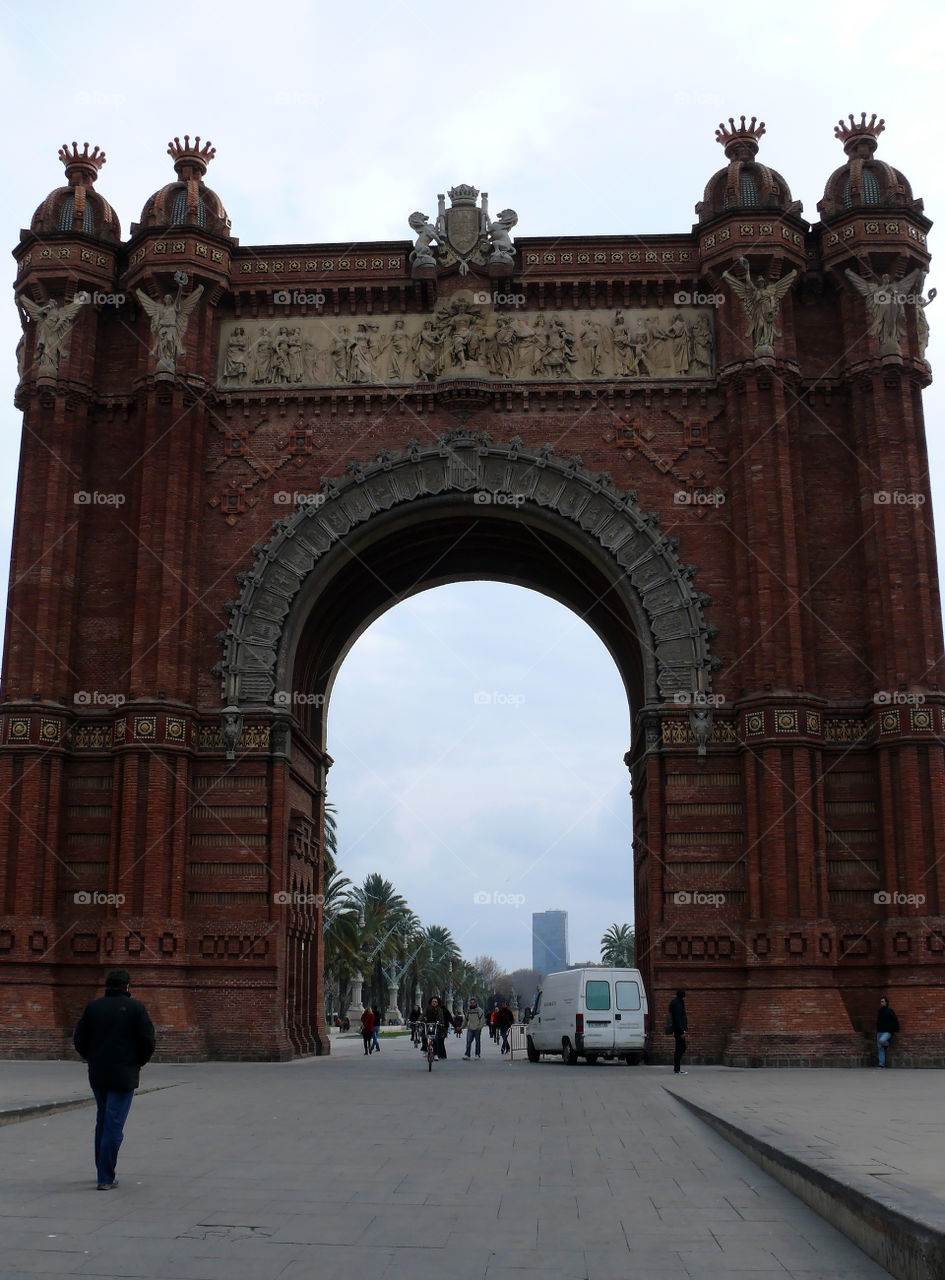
438, 955
618, 946
386, 922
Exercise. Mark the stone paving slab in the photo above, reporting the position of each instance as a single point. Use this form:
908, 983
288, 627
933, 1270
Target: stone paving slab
375, 1169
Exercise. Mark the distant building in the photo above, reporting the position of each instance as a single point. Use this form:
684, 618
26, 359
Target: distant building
549, 941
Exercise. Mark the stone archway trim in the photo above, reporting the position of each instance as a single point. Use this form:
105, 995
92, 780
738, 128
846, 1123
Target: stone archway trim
463, 463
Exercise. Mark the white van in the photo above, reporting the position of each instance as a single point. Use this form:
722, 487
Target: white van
590, 1014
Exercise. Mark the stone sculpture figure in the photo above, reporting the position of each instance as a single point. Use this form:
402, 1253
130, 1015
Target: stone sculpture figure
53, 323
886, 303
169, 320
421, 255
762, 303
428, 351
921, 321
262, 357
393, 355
296, 366
701, 346
503, 251
340, 352
235, 357
362, 354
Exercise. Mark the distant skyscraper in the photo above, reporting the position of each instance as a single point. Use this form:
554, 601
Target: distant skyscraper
549, 941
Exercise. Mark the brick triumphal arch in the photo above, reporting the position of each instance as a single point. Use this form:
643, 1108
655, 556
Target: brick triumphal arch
710, 445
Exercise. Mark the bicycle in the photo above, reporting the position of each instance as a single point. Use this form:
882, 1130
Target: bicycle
431, 1031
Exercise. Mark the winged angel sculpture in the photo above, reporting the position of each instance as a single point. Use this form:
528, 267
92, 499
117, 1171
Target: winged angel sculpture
53, 323
886, 303
169, 320
762, 303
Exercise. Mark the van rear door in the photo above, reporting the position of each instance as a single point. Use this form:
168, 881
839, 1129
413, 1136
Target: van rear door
628, 1014
598, 1015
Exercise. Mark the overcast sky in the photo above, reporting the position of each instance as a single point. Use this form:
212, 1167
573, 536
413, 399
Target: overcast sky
333, 123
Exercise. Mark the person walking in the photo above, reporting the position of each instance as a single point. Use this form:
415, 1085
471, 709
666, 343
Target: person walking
474, 1022
677, 1016
887, 1024
493, 1029
504, 1020
436, 1014
375, 1044
367, 1031
115, 1037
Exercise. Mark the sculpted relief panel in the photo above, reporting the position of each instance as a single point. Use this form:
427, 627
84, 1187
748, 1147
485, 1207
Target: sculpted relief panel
466, 338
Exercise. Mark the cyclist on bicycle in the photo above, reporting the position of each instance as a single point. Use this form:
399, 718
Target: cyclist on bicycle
436, 1013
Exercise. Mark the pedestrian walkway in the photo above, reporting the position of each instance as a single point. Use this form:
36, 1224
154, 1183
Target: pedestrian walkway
504, 1170
864, 1145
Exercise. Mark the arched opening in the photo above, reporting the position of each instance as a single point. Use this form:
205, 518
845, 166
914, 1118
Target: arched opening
462, 509
478, 733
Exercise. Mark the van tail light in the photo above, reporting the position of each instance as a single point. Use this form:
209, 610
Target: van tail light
579, 1024
646, 1024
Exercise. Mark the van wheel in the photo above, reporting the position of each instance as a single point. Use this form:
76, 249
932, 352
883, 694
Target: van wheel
533, 1054
590, 1058
567, 1053
633, 1059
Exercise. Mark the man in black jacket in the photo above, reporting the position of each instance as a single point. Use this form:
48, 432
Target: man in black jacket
116, 1039
887, 1024
677, 1014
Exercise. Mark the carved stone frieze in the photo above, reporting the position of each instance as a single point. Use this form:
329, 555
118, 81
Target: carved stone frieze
466, 338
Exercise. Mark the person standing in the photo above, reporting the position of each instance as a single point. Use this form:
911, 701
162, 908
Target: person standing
475, 1019
367, 1031
115, 1037
375, 1043
677, 1014
887, 1024
504, 1020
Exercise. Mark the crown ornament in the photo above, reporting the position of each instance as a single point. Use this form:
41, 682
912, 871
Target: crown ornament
463, 194
81, 166
741, 140
190, 160
859, 136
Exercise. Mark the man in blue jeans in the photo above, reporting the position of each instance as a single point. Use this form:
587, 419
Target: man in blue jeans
116, 1038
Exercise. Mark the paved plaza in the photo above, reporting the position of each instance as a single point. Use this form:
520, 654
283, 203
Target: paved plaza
374, 1169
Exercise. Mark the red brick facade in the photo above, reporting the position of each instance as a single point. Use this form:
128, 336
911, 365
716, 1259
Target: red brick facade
777, 623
